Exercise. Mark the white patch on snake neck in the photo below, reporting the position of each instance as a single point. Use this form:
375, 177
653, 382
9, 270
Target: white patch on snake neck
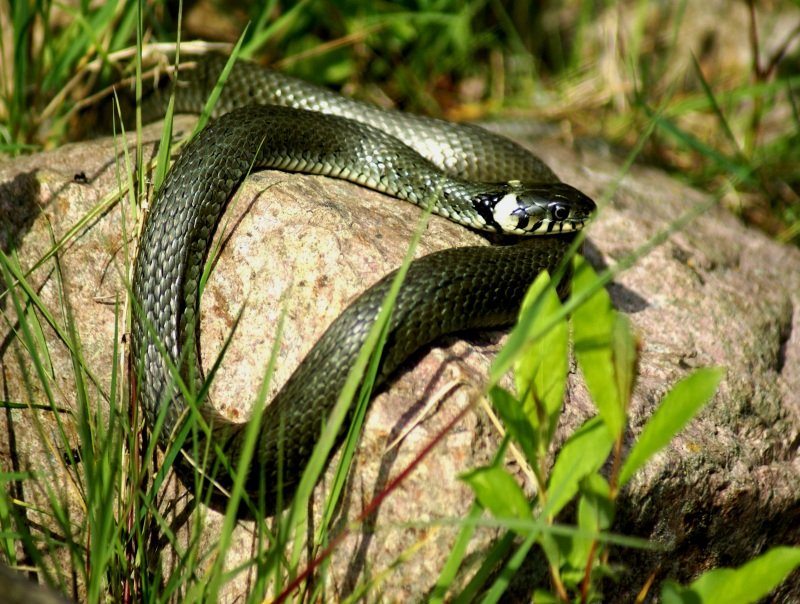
502, 212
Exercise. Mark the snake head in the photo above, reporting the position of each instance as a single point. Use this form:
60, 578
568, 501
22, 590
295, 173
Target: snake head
541, 209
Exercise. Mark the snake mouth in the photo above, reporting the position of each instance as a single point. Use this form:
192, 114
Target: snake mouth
528, 227
549, 227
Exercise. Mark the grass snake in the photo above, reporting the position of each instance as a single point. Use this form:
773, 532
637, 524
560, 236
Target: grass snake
269, 120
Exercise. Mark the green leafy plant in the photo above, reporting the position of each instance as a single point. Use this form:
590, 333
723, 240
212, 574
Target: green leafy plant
749, 583
420, 52
605, 349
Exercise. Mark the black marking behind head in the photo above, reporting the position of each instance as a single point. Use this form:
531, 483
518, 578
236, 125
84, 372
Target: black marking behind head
484, 204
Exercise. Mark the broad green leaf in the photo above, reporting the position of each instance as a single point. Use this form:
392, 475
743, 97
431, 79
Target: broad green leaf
680, 405
541, 370
624, 346
594, 325
583, 454
498, 492
595, 514
554, 547
748, 583
675, 593
541, 596
516, 421
519, 338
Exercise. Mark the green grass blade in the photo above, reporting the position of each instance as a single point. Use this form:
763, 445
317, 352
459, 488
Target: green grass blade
29, 291
741, 171
509, 569
459, 549
263, 33
454, 560
491, 560
165, 144
247, 451
329, 434
211, 102
351, 440
712, 101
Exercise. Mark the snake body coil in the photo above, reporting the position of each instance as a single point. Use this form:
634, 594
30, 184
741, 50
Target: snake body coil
444, 292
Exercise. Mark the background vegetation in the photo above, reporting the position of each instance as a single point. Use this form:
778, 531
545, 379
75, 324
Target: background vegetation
721, 93
718, 98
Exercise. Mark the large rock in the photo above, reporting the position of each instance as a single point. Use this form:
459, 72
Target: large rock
715, 293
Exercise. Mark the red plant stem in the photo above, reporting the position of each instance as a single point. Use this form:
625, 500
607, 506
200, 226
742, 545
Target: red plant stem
371, 507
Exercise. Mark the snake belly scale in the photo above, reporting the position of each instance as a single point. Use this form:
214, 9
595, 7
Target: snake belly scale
444, 292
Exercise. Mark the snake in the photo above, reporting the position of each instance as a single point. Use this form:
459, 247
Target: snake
265, 119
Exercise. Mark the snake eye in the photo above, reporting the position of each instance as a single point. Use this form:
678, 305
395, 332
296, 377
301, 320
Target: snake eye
559, 211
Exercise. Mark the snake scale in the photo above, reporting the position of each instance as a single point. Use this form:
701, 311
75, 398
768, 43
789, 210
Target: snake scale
268, 120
